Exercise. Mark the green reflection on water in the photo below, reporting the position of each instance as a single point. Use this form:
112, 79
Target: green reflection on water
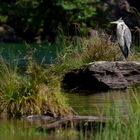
19, 130
100, 104
43, 53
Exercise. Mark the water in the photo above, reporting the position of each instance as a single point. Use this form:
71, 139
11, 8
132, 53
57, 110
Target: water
98, 104
17, 52
92, 104
25, 130
18, 130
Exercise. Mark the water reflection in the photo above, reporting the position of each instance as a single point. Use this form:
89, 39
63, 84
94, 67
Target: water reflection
42, 54
18, 130
25, 130
100, 103
92, 104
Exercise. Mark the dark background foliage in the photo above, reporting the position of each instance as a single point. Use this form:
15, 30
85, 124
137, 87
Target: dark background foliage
46, 19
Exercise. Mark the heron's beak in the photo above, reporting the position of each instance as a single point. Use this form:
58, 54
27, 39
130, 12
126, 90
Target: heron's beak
114, 22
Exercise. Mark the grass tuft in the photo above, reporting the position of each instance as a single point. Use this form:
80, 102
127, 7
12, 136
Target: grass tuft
79, 51
123, 126
29, 93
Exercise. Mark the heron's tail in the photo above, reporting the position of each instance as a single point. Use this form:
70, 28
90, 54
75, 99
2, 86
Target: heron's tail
125, 52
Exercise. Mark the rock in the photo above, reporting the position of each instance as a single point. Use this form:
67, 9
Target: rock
7, 34
102, 76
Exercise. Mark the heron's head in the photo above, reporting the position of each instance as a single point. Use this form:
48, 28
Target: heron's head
117, 21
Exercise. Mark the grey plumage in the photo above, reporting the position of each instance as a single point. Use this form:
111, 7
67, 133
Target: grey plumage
123, 36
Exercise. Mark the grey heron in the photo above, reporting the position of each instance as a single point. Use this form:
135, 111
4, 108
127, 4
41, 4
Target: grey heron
123, 36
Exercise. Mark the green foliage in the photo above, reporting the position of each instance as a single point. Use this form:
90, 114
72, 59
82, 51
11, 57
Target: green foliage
18, 130
84, 8
33, 18
78, 51
28, 94
123, 126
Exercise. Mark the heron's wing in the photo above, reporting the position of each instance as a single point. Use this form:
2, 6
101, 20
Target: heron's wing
127, 37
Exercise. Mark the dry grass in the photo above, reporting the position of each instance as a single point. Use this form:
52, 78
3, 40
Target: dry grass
101, 48
79, 51
22, 95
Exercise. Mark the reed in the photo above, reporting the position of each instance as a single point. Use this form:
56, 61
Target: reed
123, 126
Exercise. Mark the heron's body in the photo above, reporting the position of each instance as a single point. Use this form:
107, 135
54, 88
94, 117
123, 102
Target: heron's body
123, 37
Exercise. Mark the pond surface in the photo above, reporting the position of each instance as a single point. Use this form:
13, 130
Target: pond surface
101, 104
18, 52
89, 103
92, 104
17, 130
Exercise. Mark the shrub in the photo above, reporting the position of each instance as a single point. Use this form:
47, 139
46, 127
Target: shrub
28, 94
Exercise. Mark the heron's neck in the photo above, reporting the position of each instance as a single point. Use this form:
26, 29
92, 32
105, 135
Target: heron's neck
121, 24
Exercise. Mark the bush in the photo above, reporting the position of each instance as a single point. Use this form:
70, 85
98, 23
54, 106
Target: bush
28, 94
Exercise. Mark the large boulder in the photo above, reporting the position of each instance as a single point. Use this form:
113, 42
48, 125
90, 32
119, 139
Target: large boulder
103, 75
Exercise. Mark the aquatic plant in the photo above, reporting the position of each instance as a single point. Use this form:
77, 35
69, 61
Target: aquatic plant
18, 130
123, 126
124, 122
28, 93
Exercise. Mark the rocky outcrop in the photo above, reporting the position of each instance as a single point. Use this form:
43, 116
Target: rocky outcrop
103, 75
7, 34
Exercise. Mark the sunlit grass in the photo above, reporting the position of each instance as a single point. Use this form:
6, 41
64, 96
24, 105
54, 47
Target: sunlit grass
123, 126
29, 93
125, 122
37, 91
134, 53
12, 132
79, 51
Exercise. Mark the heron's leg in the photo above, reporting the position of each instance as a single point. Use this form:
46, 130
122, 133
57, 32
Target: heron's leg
121, 48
